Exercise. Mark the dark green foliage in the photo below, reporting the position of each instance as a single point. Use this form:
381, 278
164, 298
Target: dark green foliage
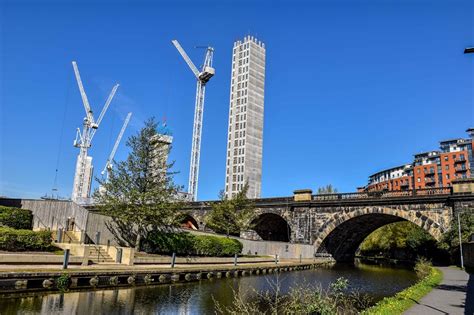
15, 218
139, 194
450, 241
25, 240
63, 282
190, 244
403, 241
231, 216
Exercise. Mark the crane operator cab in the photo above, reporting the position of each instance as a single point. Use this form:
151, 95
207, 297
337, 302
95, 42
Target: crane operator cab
206, 74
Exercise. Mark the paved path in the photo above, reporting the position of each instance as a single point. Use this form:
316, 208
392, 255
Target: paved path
455, 295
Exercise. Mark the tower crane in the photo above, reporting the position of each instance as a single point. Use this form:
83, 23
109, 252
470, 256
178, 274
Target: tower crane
108, 164
202, 77
83, 175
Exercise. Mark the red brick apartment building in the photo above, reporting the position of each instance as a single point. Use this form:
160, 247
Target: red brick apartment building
453, 160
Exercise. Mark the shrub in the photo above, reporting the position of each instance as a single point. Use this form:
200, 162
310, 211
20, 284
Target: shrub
15, 218
25, 240
190, 244
423, 267
63, 282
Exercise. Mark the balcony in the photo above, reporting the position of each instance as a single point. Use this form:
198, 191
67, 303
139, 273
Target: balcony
430, 173
461, 169
404, 184
429, 181
459, 160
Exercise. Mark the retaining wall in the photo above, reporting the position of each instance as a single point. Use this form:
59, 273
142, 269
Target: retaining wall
19, 282
468, 254
54, 214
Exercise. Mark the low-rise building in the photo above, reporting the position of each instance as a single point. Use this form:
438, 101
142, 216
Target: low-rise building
453, 160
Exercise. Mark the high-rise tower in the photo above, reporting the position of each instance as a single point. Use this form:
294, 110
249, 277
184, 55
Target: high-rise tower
245, 132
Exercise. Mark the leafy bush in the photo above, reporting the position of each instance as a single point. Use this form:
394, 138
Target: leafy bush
25, 240
190, 244
423, 267
402, 241
15, 218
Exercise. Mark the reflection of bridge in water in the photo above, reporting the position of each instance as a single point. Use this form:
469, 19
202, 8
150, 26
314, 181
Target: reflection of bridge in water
338, 223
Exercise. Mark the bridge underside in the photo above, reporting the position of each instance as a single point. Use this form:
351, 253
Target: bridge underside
272, 227
343, 242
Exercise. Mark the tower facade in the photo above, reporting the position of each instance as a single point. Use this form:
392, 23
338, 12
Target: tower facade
245, 131
82, 194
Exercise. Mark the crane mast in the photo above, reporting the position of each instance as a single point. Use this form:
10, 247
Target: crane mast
108, 164
202, 77
83, 173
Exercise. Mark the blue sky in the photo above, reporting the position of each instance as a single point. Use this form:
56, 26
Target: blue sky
352, 87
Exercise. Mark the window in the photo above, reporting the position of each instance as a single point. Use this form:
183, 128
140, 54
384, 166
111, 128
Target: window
418, 179
446, 167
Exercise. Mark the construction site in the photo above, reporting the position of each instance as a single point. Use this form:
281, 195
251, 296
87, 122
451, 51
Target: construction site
246, 100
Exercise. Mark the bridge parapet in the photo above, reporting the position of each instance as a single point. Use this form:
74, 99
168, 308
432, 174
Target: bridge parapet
444, 191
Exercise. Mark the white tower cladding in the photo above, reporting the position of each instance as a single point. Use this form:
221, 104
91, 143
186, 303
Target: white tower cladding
245, 132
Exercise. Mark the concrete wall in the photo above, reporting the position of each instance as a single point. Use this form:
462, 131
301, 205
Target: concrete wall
98, 223
282, 249
51, 214
267, 248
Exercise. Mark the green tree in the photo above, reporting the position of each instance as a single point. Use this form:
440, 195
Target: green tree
401, 240
140, 195
328, 189
231, 216
450, 240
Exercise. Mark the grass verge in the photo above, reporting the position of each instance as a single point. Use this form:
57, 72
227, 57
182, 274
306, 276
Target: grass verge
405, 299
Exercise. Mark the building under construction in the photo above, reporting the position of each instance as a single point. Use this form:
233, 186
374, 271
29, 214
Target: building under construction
245, 132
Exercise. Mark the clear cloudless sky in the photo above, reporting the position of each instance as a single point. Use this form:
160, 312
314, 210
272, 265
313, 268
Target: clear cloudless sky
352, 87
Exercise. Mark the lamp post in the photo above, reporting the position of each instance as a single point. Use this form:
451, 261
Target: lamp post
460, 239
468, 50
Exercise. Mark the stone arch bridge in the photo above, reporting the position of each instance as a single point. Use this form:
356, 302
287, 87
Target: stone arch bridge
338, 223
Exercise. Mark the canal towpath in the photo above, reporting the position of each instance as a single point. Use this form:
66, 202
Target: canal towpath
454, 295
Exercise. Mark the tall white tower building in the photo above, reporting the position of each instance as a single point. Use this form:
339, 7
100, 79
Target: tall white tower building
245, 133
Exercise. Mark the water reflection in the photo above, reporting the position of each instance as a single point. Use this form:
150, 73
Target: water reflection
197, 297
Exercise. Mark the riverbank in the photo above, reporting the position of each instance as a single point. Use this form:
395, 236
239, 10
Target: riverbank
202, 297
405, 299
454, 295
51, 278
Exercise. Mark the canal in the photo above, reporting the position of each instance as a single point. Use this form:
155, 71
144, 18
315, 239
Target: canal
199, 297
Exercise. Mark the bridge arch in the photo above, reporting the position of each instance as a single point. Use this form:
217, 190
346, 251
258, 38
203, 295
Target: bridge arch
189, 222
271, 227
344, 232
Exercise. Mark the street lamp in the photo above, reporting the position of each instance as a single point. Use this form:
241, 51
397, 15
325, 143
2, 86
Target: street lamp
469, 50
460, 239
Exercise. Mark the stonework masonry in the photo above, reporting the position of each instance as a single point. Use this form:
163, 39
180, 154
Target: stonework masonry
332, 225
